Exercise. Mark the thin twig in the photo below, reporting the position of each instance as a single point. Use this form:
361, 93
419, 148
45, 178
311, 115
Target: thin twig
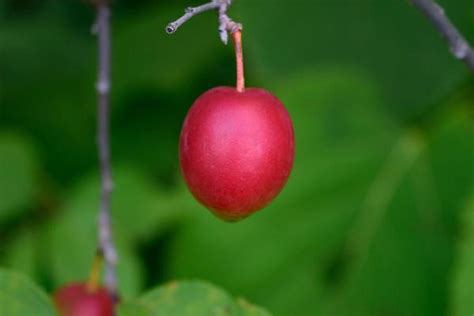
226, 24
189, 13
106, 243
459, 47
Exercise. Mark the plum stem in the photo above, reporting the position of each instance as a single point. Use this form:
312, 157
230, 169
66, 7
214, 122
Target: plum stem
93, 281
106, 244
237, 36
459, 47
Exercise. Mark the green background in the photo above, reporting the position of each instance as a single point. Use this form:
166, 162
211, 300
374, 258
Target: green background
376, 219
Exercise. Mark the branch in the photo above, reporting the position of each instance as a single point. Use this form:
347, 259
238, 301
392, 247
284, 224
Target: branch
459, 47
226, 24
189, 13
106, 243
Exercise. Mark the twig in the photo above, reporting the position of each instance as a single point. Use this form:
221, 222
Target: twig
226, 24
106, 243
189, 13
460, 48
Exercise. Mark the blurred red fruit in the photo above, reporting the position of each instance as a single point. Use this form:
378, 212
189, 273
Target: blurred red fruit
78, 300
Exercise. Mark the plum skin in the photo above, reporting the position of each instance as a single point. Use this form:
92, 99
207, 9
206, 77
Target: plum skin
236, 150
77, 300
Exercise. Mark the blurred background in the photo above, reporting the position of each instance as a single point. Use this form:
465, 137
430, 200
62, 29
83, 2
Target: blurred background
377, 217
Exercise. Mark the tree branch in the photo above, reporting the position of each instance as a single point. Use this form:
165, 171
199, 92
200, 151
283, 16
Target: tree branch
189, 13
459, 47
106, 243
226, 24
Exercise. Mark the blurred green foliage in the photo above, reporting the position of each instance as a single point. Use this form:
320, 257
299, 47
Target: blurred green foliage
19, 296
377, 218
195, 298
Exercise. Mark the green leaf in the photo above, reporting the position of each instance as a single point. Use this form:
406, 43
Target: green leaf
133, 309
462, 296
18, 167
189, 298
20, 297
247, 309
